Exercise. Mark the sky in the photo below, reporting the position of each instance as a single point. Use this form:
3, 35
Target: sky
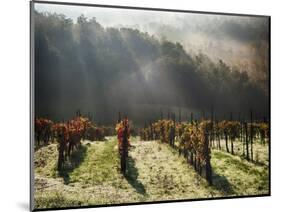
240, 41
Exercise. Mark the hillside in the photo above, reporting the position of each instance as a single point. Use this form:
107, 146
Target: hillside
155, 173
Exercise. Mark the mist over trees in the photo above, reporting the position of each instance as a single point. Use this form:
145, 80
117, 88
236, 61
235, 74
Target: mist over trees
85, 66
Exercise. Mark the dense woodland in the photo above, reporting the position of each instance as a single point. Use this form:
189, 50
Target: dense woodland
84, 66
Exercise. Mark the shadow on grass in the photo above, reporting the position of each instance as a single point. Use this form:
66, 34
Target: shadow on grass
260, 163
76, 158
132, 176
232, 166
221, 183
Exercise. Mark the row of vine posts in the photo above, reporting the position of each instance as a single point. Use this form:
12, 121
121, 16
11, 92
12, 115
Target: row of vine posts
209, 133
199, 157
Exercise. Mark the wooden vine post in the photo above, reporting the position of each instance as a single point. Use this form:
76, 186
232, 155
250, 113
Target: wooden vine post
191, 153
124, 152
251, 135
61, 148
226, 139
212, 127
246, 141
207, 154
231, 135
218, 135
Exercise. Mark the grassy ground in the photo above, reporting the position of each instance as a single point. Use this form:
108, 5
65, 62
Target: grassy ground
155, 172
260, 151
236, 176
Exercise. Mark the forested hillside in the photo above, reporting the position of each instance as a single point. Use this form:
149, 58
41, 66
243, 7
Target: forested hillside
81, 65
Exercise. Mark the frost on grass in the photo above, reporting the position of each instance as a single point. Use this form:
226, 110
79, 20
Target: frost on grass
236, 176
155, 172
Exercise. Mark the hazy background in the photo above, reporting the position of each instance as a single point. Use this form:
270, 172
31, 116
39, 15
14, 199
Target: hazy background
141, 62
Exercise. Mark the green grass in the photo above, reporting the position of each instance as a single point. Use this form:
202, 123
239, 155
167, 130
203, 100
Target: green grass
92, 177
97, 166
155, 172
45, 160
236, 176
57, 199
260, 151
